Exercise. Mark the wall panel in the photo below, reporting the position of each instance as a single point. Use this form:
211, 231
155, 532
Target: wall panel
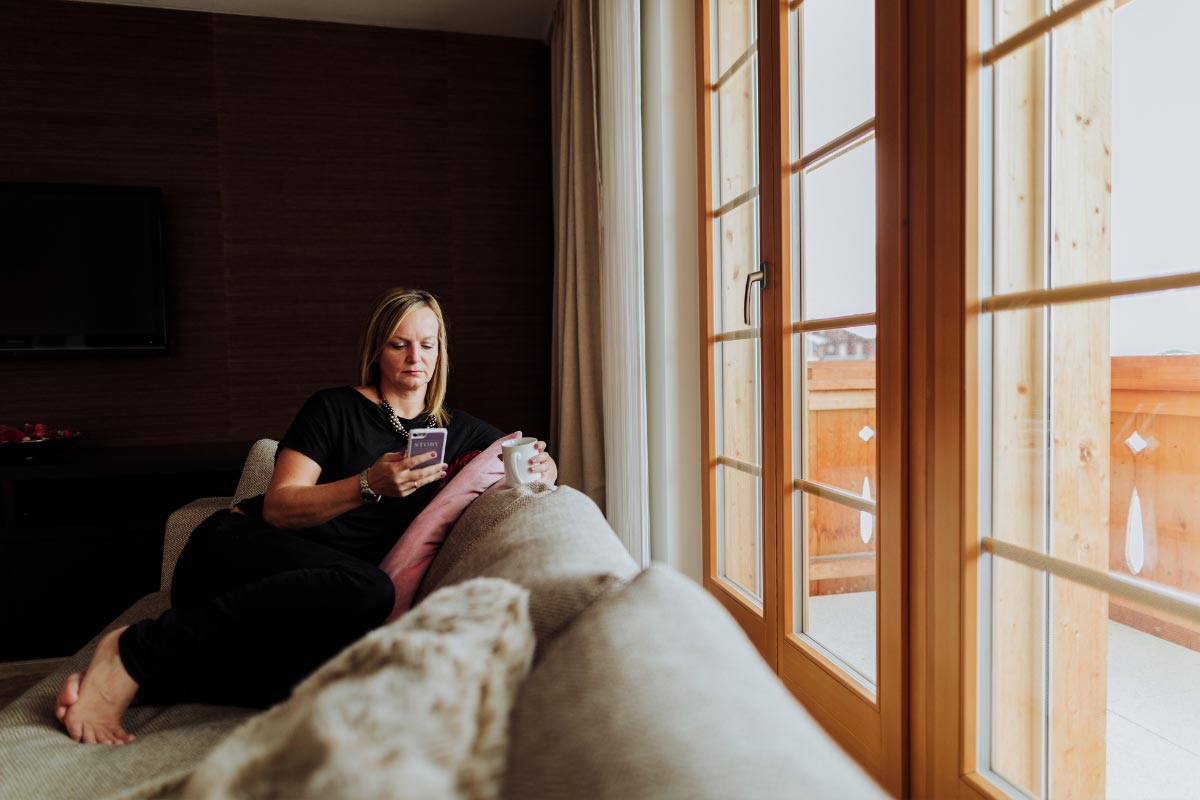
306, 166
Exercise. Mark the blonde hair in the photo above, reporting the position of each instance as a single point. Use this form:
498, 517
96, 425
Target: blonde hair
389, 311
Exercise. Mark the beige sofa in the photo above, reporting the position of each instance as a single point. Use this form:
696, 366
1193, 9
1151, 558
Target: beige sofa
642, 686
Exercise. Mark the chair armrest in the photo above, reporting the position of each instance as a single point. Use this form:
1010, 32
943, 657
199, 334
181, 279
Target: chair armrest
179, 528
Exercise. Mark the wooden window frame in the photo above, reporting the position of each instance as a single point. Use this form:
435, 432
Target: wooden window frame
928, 745
869, 724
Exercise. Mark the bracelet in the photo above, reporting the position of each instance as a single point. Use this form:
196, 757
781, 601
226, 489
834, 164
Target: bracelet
364, 489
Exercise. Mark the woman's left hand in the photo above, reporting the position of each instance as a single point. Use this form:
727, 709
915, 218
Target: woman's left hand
544, 464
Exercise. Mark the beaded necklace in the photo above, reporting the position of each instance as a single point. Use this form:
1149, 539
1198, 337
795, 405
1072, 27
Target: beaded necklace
394, 418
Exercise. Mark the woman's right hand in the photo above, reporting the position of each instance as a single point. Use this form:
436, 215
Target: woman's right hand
397, 475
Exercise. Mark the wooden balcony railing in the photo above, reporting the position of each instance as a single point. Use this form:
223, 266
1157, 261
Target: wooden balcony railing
1158, 399
1155, 397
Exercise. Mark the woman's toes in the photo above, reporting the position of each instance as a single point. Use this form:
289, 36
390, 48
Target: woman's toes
74, 728
69, 694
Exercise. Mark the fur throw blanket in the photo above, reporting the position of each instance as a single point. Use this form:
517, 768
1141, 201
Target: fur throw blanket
415, 709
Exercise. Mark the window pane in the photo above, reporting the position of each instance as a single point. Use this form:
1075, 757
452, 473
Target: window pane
1018, 702
1089, 441
1019, 133
735, 237
840, 587
1081, 149
839, 394
1072, 682
737, 134
1019, 427
1155, 161
739, 539
738, 400
1014, 15
837, 68
837, 246
735, 31
1154, 497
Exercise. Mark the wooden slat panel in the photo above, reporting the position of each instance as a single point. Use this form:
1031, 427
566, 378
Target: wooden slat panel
838, 457
1166, 474
1154, 622
1156, 373
1174, 404
840, 375
842, 401
859, 566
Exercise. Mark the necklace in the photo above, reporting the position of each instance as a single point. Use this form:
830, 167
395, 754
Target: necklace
394, 418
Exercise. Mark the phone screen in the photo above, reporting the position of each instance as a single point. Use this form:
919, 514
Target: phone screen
423, 440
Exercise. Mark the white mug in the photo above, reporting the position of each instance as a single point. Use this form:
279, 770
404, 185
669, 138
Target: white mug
517, 455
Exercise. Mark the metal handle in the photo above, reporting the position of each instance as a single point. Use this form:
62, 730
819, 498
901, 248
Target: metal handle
758, 276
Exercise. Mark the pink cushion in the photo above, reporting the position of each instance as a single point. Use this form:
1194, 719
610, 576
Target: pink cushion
412, 554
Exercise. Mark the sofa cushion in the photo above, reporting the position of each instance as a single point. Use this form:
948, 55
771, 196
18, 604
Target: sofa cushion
257, 471
417, 708
654, 693
552, 540
179, 529
408, 559
41, 761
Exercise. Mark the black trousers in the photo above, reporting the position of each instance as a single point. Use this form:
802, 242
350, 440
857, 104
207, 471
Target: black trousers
255, 609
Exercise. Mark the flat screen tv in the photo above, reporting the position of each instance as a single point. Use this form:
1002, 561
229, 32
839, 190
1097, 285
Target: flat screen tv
82, 269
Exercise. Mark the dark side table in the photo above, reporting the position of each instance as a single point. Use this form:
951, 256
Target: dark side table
81, 535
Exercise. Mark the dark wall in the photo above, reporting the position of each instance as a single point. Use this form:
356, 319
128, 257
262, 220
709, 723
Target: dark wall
306, 167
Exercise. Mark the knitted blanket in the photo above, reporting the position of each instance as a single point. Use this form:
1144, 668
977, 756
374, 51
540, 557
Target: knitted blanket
418, 708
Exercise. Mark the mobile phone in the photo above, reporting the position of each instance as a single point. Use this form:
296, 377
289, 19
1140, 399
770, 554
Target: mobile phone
422, 440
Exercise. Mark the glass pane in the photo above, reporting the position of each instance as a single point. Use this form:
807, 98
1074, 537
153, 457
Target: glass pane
1155, 161
734, 31
840, 581
738, 401
837, 248
1153, 709
840, 427
1095, 704
737, 134
1153, 503
1018, 702
1014, 15
1081, 147
1096, 457
737, 257
837, 68
1019, 445
739, 539
1019, 129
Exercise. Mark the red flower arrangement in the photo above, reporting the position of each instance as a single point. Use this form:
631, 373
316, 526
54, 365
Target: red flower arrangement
34, 432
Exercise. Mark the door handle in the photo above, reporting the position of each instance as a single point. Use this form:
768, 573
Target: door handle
758, 276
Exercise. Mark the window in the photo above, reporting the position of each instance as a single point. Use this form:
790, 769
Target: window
803, 389
952, 292
1089, 454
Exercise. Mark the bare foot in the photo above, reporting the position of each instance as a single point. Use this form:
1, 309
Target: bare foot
69, 694
91, 705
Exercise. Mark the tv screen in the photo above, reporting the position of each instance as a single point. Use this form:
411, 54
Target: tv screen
83, 268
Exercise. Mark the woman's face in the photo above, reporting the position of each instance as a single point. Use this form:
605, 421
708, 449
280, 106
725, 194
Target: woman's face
408, 358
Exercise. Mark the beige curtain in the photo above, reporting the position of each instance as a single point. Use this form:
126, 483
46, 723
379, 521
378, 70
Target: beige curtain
577, 417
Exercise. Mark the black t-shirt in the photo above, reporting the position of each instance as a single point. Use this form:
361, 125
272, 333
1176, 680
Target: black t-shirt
345, 433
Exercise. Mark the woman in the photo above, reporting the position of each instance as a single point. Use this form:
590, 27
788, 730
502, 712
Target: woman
266, 592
